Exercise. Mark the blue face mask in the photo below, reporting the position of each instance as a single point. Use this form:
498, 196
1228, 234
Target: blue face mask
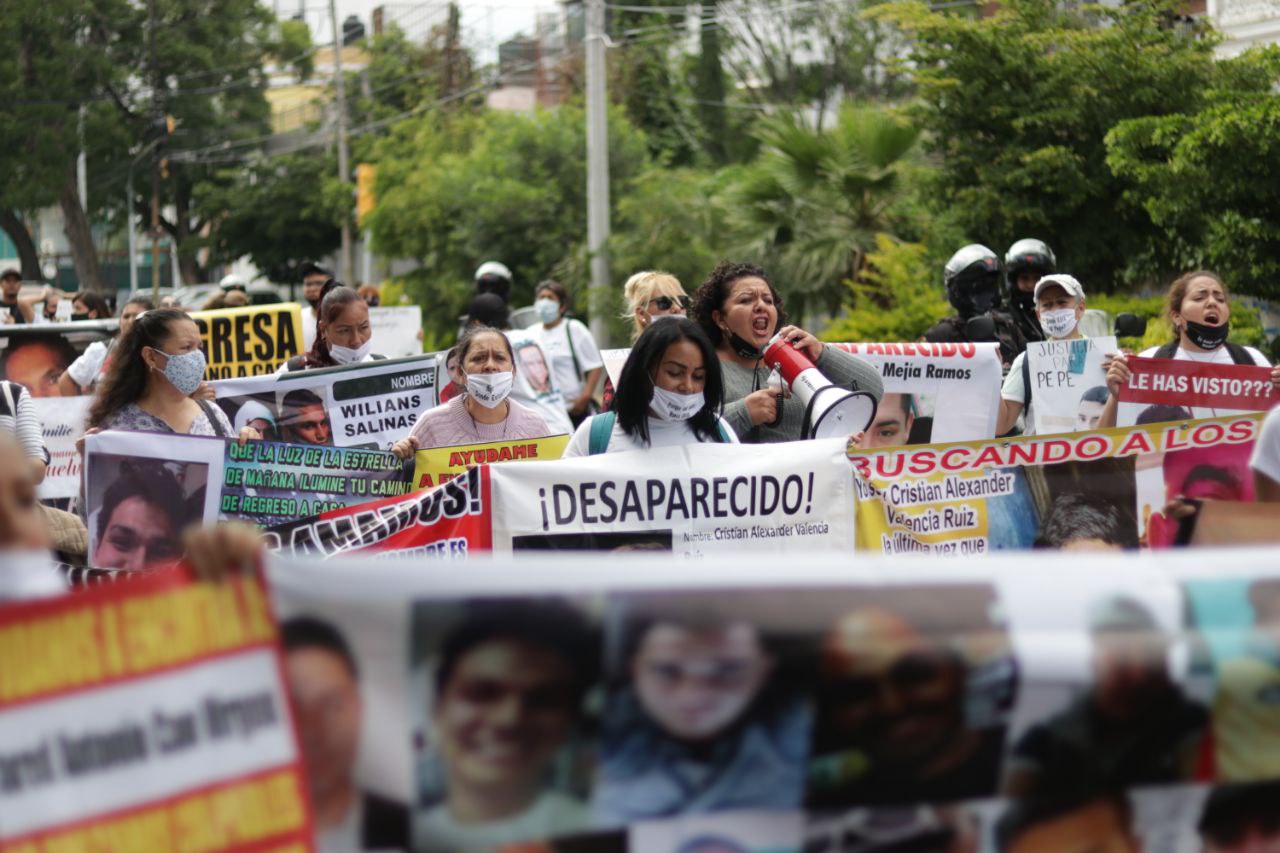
184, 371
548, 310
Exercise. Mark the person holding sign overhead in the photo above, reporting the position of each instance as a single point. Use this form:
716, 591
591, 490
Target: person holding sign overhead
741, 311
1200, 312
485, 412
1059, 307
666, 396
343, 333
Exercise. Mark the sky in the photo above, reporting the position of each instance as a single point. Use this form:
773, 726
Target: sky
484, 24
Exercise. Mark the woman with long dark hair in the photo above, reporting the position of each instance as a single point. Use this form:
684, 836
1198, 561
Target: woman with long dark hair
343, 333
668, 394
740, 310
154, 370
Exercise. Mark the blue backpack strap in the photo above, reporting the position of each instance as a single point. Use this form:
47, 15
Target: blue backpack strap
1026, 380
601, 431
724, 435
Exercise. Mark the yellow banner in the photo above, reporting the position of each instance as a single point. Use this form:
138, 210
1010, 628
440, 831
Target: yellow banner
250, 341
441, 464
971, 497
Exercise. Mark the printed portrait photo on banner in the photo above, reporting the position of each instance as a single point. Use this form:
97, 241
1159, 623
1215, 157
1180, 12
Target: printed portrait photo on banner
500, 711
914, 689
138, 509
533, 366
1134, 722
36, 362
1085, 506
708, 704
642, 540
1204, 474
924, 827
260, 411
1238, 622
323, 679
303, 418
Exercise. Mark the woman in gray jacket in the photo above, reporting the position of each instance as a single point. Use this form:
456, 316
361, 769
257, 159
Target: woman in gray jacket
740, 310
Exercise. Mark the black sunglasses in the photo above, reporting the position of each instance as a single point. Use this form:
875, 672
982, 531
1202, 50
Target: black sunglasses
665, 303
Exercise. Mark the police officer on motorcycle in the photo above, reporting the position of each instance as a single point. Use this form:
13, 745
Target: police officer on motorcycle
972, 279
1026, 262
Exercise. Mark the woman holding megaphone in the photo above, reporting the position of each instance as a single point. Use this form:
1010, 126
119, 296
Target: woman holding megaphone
741, 311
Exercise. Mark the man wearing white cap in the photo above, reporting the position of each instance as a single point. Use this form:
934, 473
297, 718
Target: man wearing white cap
1059, 305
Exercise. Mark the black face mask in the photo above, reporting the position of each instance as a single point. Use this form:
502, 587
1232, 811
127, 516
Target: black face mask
1025, 301
1207, 337
744, 348
977, 300
79, 316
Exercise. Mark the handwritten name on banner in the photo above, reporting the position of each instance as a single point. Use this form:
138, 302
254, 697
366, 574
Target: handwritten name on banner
149, 715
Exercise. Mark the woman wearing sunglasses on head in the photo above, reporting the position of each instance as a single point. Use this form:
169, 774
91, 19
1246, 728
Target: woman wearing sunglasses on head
740, 310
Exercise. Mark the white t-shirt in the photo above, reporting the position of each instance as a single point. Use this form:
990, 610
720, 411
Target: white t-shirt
556, 343
536, 385
550, 815
86, 368
661, 434
1218, 356
308, 327
1266, 450
1015, 390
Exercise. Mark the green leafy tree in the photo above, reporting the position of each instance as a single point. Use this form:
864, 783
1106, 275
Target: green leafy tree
1016, 108
280, 212
456, 190
1206, 176
896, 298
811, 205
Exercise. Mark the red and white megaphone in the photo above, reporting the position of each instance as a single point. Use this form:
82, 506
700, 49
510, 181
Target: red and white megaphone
830, 411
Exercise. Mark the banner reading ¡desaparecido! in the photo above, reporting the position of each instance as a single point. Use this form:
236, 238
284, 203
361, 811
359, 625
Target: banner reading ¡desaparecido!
975, 497
960, 381
371, 404
250, 341
694, 501
148, 716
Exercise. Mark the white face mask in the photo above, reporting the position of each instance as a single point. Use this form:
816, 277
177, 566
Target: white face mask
548, 310
489, 389
1059, 322
346, 355
671, 406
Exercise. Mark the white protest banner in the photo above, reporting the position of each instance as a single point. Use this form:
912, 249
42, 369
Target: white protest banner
694, 501
1068, 386
397, 330
1014, 657
957, 386
149, 715
371, 404
613, 360
62, 419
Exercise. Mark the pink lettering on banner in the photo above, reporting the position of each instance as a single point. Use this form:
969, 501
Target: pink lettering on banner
1194, 384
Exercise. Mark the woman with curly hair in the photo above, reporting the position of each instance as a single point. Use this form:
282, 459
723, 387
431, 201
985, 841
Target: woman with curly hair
740, 310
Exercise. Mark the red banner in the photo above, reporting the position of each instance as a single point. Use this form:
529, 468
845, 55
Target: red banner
148, 716
447, 522
1196, 384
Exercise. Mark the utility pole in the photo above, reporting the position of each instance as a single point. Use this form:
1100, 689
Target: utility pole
157, 115
597, 170
344, 169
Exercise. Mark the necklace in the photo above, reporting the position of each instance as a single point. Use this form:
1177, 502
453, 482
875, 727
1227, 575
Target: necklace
506, 421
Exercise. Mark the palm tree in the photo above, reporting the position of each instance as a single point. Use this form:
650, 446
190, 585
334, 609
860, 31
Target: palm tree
812, 203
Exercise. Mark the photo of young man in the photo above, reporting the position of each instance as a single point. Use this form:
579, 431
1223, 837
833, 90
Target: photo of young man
323, 682
508, 679
913, 697
892, 424
303, 419
138, 521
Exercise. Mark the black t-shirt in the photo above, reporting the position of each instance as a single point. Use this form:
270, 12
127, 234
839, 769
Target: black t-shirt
14, 311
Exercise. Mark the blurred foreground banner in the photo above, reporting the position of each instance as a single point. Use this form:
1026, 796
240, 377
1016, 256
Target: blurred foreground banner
147, 716
884, 704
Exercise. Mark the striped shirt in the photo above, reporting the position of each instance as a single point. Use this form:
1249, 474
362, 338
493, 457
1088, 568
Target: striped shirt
18, 417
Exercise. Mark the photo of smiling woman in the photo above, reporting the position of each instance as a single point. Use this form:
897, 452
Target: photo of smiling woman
740, 310
505, 682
